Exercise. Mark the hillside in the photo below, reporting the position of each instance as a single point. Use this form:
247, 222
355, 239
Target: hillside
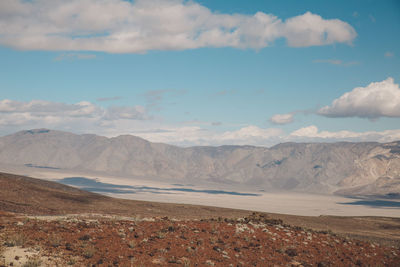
31, 196
90, 229
20, 194
346, 168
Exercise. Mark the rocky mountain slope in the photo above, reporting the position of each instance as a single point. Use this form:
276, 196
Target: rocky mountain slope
347, 168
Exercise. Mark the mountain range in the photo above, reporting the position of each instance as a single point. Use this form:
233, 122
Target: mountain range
365, 168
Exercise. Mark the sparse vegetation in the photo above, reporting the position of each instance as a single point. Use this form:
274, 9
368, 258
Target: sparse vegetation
71, 261
250, 239
55, 240
190, 242
161, 235
32, 262
132, 244
88, 252
185, 262
17, 239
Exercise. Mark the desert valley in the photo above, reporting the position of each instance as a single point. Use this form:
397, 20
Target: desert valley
279, 209
139, 133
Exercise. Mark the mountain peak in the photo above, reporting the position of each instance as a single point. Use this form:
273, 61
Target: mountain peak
36, 131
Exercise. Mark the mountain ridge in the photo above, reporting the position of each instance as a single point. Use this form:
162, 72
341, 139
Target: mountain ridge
342, 167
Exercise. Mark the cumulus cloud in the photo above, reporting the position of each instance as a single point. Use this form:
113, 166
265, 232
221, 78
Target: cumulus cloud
119, 26
311, 29
378, 99
282, 118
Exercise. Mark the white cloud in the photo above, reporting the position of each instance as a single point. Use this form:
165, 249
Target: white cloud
195, 135
128, 113
41, 108
119, 120
311, 29
55, 114
378, 99
85, 117
251, 132
119, 26
253, 135
312, 133
282, 118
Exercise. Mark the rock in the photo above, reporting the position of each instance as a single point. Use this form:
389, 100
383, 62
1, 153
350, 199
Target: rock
210, 263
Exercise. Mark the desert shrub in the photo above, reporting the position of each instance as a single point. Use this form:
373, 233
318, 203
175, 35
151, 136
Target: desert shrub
185, 262
161, 235
84, 237
32, 262
71, 261
55, 241
132, 244
17, 239
88, 252
291, 252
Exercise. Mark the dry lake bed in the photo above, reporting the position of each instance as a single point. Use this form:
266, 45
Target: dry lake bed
282, 202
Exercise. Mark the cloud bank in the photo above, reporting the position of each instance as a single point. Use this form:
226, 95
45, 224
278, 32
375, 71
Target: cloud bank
54, 114
86, 117
378, 99
312, 133
118, 26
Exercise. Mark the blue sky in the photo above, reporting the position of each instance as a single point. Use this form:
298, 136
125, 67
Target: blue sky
203, 72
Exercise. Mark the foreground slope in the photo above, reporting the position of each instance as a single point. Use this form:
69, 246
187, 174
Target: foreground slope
30, 196
346, 168
143, 235
19, 194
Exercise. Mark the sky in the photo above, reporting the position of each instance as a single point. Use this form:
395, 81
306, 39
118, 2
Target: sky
205, 72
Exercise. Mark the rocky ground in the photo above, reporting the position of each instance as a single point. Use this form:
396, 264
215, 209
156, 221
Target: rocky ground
37, 230
255, 240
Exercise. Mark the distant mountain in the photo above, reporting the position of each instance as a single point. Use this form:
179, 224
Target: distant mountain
345, 168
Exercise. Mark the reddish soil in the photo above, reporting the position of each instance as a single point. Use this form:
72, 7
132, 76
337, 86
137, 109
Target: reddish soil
98, 235
252, 241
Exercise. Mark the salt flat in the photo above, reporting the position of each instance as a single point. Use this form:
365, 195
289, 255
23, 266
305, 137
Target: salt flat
282, 202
